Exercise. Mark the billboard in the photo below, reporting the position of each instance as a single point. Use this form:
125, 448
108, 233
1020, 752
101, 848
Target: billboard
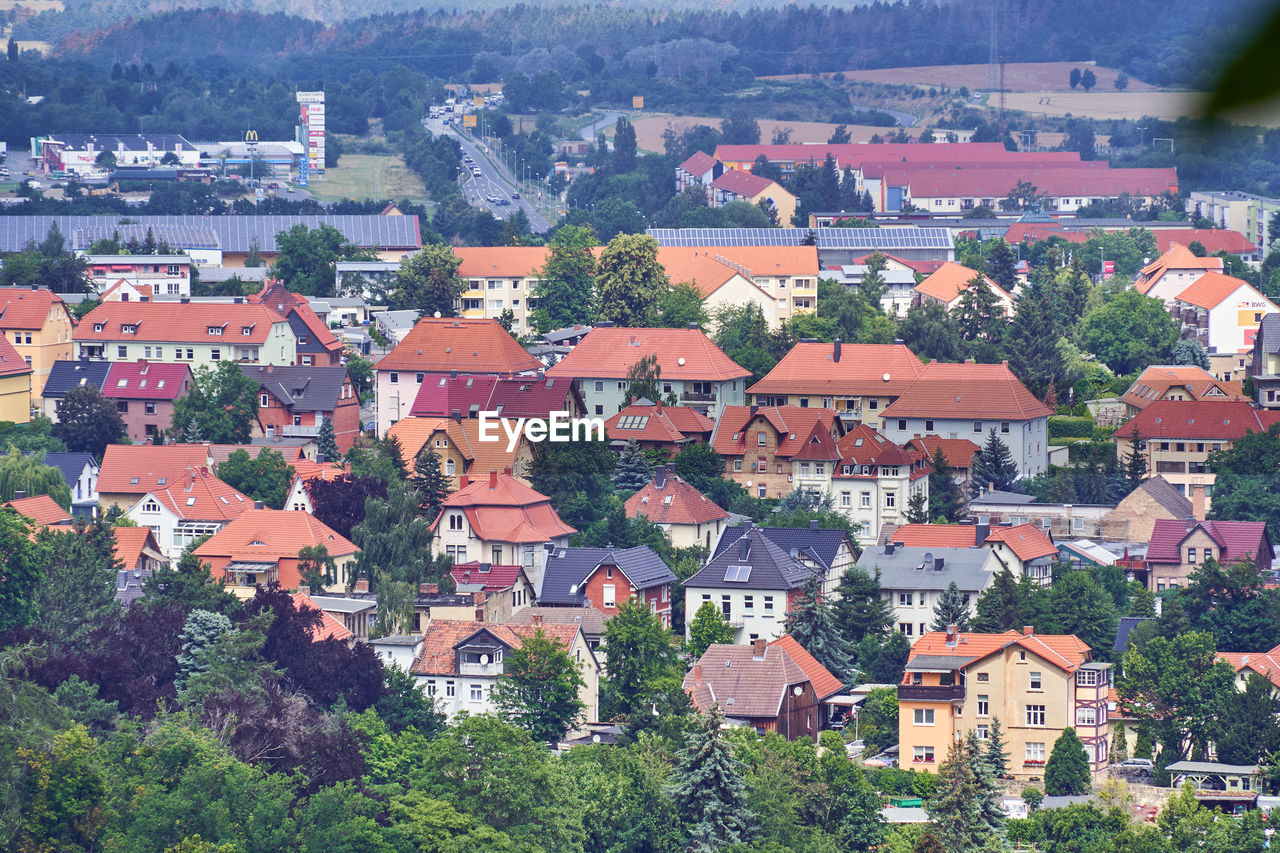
310, 97
469, 121
311, 116
1108, 267
637, 103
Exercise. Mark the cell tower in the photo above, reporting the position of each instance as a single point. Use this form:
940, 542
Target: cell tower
993, 51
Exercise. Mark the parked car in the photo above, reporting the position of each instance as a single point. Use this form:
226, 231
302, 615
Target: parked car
515, 194
1143, 767
273, 185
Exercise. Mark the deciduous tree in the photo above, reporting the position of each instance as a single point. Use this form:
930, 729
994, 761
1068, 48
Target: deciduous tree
565, 287
707, 629
265, 477
428, 282
540, 689
219, 407
630, 281
641, 652
88, 421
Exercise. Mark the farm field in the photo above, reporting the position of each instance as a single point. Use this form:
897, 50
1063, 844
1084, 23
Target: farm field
1018, 76
649, 129
362, 176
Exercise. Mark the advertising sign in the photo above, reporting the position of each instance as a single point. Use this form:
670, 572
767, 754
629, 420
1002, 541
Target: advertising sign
637, 103
1108, 267
310, 97
469, 121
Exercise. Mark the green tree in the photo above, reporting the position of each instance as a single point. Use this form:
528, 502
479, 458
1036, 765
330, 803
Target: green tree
190, 585
699, 466
1032, 339
1249, 729
339, 819
88, 421
307, 258
930, 332
428, 282
431, 483
1088, 79
65, 794
1189, 351
979, 319
707, 629
859, 609
708, 789
1074, 77
630, 281
316, 567
361, 372
1119, 745
946, 500
986, 788
220, 406
643, 377
681, 306
395, 555
955, 804
575, 475
996, 752
641, 653
951, 609
1129, 331
265, 477
742, 332
326, 443
878, 719
79, 589
28, 474
855, 801
565, 286
1135, 461
1067, 771
201, 630
404, 704
918, 508
811, 623
1079, 605
633, 471
540, 688
999, 607
992, 467
624, 146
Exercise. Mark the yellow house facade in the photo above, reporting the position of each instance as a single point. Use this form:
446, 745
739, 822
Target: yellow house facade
39, 326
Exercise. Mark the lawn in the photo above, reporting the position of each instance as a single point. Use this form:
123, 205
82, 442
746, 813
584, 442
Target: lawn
363, 176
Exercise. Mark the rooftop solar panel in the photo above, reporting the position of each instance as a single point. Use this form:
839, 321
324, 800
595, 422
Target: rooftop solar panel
886, 239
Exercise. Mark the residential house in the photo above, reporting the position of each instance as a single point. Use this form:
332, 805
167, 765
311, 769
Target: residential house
461, 452
316, 344
958, 453
857, 380
1245, 664
1247, 214
947, 285
592, 622
463, 396
41, 509
687, 516
693, 368
995, 508
443, 346
15, 385
1178, 382
774, 450
753, 582
398, 649
328, 627
181, 510
1134, 518
655, 427
1176, 437
898, 277
432, 604
295, 400
770, 686
195, 333
739, 185
493, 581
602, 578
913, 578
875, 480
969, 401
460, 661
1223, 313
145, 393
156, 276
37, 323
395, 325
65, 375
932, 535
1264, 369
700, 170
80, 471
138, 550
129, 471
500, 278
1025, 550
500, 519
831, 552
1035, 684
1173, 272
781, 280
260, 546
1178, 546
304, 471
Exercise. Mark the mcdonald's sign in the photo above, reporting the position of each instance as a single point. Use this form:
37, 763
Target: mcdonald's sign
251, 136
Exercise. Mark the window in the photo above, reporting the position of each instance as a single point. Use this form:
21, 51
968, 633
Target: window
804, 469
737, 465
902, 423
264, 401
122, 351
215, 354
455, 521
748, 603
495, 555
599, 385
1086, 716
449, 467
150, 408
890, 499
761, 439
1191, 556
122, 406
1004, 426
864, 499
215, 330
431, 687
449, 689
984, 732
762, 491
922, 755
984, 677
984, 705
477, 692
977, 426
1087, 677
846, 499
726, 607
906, 628
1035, 715
768, 605
1035, 752
246, 331
904, 599
923, 717
1077, 524
610, 596
1034, 681
393, 377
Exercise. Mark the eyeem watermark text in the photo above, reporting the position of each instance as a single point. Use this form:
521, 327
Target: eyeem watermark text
558, 427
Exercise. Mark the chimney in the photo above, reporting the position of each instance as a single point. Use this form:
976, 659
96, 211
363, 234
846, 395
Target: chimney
694, 326
259, 505
889, 548
428, 588
697, 675
952, 631
1028, 630
537, 619
185, 300
477, 598
493, 480
757, 649
835, 351
362, 584
464, 481
813, 524
19, 495
1197, 501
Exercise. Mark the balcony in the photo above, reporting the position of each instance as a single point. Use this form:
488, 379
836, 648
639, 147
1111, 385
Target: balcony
292, 431
931, 692
489, 669
698, 396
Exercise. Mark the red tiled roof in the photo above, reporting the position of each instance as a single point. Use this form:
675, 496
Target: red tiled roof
741, 182
1065, 651
1214, 240
284, 302
705, 273
11, 361
1235, 539
305, 470
699, 163
130, 543
1156, 381
665, 424
440, 396
144, 380
24, 308
824, 683
500, 261
997, 179
1210, 289
1211, 420
958, 451
502, 509
438, 656
198, 495
1266, 664
863, 445
1176, 257
329, 628
863, 370
481, 457
41, 509
979, 391
748, 686
936, 535
859, 153
490, 577
138, 468
673, 502
684, 354
802, 432
219, 453
468, 346
1026, 541
179, 321
951, 279
270, 535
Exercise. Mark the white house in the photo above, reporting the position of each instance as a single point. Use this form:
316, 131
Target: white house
913, 578
1222, 312
196, 504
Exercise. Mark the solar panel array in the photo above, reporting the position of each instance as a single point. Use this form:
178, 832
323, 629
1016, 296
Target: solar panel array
885, 239
184, 236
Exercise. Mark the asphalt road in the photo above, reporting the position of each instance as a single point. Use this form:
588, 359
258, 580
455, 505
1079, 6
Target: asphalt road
495, 181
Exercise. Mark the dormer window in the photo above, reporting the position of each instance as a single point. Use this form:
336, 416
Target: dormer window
98, 327
216, 330
246, 330
151, 506
129, 328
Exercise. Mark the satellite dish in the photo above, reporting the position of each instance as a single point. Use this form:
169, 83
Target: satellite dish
798, 690
680, 361
595, 738
885, 378
484, 659
436, 315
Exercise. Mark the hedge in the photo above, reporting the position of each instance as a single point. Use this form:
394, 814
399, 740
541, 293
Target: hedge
1070, 426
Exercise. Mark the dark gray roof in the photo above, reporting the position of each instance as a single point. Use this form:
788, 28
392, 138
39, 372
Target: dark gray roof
66, 375
124, 142
129, 584
177, 236
996, 496
938, 663
397, 640
567, 568
70, 464
1167, 495
902, 568
234, 233
1124, 629
1061, 802
209, 274
770, 566
1212, 768
1269, 333
822, 546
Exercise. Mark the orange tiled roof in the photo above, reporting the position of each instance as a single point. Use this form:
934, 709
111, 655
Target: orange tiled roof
755, 261
665, 424
41, 509
200, 496
978, 391
958, 451
130, 543
1177, 257
824, 683
1026, 541
220, 452
11, 362
24, 308
1156, 381
950, 280
673, 502
863, 445
468, 346
502, 509
481, 456
936, 535
1212, 288
1266, 664
1065, 651
136, 469
437, 656
179, 321
705, 273
269, 535
863, 370
803, 433
500, 261
685, 354
329, 627
305, 469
